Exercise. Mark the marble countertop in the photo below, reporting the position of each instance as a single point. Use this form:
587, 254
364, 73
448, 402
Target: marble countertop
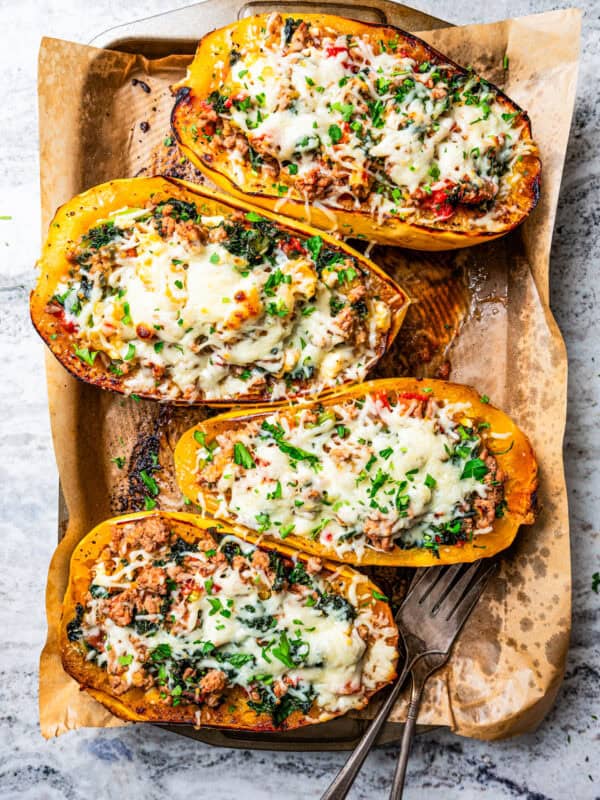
560, 761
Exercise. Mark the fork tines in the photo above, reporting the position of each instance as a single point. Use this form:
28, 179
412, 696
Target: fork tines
448, 586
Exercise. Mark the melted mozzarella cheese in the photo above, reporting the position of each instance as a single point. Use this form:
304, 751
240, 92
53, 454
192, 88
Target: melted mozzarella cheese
312, 106
390, 468
195, 320
336, 663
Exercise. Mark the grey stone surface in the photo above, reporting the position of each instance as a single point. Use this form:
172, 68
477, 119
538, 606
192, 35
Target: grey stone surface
559, 761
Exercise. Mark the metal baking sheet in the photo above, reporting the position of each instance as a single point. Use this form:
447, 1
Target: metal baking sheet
472, 292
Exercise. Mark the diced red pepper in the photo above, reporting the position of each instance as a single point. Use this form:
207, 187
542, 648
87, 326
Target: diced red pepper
293, 245
459, 543
69, 327
334, 51
413, 396
439, 202
383, 400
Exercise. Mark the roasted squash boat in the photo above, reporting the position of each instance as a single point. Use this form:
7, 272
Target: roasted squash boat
168, 619
358, 127
399, 472
160, 288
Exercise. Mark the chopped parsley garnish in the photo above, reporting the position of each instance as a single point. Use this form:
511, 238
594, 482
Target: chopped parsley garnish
378, 596
276, 493
295, 453
85, 355
149, 482
335, 133
242, 456
474, 468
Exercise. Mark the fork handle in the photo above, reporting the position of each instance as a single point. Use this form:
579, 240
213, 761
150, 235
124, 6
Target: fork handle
422, 667
343, 781
418, 684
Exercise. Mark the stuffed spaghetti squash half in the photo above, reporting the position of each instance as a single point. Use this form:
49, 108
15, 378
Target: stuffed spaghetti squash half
401, 472
357, 127
171, 618
160, 288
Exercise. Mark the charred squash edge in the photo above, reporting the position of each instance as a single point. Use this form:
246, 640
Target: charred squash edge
519, 464
199, 83
93, 678
75, 217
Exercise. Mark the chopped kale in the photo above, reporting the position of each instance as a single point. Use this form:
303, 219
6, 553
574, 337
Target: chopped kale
289, 28
74, 632
230, 550
144, 627
277, 565
361, 308
161, 652
336, 605
98, 591
179, 548
101, 235
262, 623
302, 373
218, 101
255, 243
179, 210
298, 574
256, 160
299, 698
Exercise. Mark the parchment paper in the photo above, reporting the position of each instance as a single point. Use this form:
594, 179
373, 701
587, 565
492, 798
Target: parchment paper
481, 314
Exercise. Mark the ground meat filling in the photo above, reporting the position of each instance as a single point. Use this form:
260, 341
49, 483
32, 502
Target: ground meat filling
376, 124
193, 621
379, 472
183, 306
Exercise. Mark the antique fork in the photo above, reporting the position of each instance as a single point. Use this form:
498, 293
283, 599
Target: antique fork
437, 605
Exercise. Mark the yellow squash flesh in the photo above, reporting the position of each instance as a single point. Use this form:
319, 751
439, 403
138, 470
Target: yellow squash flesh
208, 72
518, 463
139, 705
84, 211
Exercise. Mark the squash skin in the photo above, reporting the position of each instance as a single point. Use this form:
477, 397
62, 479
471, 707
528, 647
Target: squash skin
74, 218
136, 705
207, 73
519, 464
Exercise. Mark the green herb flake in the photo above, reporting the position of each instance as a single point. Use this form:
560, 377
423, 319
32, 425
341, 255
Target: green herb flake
378, 596
335, 133
85, 355
430, 481
242, 456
